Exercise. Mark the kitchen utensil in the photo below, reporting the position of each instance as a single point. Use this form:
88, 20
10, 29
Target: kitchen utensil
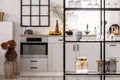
28, 31
69, 32
90, 5
114, 28
96, 5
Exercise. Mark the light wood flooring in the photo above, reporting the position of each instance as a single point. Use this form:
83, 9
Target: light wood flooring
33, 78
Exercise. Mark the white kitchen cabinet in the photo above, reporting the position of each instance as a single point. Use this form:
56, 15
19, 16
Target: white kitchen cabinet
92, 52
55, 54
113, 51
6, 33
34, 64
70, 56
89, 50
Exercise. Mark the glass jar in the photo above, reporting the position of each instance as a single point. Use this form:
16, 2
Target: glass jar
112, 65
81, 65
100, 66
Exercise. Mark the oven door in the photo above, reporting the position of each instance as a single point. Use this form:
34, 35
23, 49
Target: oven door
34, 49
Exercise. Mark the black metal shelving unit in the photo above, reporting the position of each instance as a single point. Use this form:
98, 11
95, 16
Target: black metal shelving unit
32, 14
102, 43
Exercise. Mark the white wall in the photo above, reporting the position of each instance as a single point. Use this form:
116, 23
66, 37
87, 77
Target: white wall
11, 8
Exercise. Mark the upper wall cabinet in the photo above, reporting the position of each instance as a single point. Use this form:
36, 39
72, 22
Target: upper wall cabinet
35, 13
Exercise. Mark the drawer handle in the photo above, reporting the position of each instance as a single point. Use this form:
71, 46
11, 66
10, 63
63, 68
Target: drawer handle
33, 61
33, 67
73, 47
77, 47
60, 40
113, 45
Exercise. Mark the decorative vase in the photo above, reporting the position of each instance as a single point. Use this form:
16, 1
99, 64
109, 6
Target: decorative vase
10, 69
10, 64
77, 35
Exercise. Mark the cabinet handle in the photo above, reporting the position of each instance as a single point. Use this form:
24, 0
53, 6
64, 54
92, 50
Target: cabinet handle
60, 40
33, 61
73, 47
113, 45
33, 67
77, 47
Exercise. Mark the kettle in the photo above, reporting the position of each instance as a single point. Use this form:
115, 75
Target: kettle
28, 32
114, 28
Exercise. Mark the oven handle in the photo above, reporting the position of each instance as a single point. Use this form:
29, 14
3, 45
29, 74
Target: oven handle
33, 61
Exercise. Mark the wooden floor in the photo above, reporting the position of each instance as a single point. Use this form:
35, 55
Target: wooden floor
33, 78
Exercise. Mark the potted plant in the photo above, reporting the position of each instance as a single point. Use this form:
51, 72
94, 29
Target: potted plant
10, 64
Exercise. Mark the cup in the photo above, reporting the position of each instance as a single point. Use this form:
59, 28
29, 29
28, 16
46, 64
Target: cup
77, 35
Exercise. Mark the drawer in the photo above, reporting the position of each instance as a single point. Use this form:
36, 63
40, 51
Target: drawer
34, 64
55, 39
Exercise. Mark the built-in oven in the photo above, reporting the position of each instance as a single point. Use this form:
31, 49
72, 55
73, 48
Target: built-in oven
34, 47
34, 54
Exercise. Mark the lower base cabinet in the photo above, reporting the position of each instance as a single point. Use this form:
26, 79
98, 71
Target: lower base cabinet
70, 56
34, 65
89, 50
55, 57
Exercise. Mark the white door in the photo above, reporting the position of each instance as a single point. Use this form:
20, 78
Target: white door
6, 33
92, 52
55, 57
113, 51
70, 56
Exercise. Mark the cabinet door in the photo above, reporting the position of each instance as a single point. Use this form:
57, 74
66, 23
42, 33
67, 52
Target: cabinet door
92, 52
55, 57
70, 56
113, 51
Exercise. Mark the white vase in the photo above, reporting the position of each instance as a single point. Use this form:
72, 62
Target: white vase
77, 35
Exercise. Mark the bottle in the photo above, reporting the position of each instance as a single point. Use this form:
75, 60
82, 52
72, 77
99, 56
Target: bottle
57, 27
95, 31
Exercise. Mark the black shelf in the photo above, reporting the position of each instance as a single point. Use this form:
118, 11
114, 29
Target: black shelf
93, 9
84, 41
90, 73
102, 56
93, 41
74, 73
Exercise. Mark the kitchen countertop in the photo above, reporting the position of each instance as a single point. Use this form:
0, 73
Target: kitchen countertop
47, 35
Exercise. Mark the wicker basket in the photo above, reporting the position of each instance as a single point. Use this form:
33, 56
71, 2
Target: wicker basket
1, 16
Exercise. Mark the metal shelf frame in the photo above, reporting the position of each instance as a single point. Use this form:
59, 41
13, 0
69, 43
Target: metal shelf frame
102, 43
